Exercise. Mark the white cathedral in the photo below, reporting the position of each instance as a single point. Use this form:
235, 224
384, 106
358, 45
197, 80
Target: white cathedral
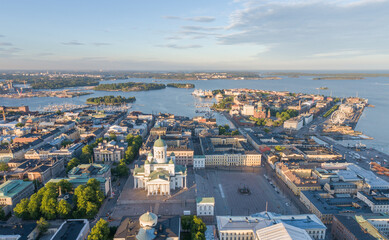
160, 174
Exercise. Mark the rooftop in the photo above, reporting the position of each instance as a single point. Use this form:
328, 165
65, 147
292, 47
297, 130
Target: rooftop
70, 229
332, 205
12, 187
166, 227
205, 200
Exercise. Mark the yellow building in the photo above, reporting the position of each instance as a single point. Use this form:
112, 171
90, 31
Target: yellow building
229, 151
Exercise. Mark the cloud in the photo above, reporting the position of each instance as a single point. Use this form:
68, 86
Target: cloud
338, 53
5, 44
98, 44
201, 28
43, 54
203, 19
175, 46
2, 35
302, 28
171, 17
73, 43
9, 52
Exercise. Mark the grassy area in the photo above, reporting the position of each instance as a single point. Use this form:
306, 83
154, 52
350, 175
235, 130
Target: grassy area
329, 112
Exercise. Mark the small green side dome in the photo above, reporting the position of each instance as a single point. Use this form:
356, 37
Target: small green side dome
147, 162
150, 154
172, 154
171, 161
160, 142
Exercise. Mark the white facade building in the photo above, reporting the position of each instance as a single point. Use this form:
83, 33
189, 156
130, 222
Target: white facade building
248, 110
260, 225
198, 161
205, 206
294, 123
377, 203
109, 151
160, 174
308, 118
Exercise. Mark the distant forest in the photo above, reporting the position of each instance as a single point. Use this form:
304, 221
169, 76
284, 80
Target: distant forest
110, 100
129, 87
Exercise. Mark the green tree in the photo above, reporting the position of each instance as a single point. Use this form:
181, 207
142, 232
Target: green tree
2, 214
198, 236
122, 169
94, 184
112, 136
65, 185
34, 205
91, 209
74, 162
87, 152
80, 199
49, 208
4, 167
100, 231
66, 142
186, 222
64, 209
42, 225
49, 201
21, 209
278, 148
198, 225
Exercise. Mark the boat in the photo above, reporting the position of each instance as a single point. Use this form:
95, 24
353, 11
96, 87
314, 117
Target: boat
322, 88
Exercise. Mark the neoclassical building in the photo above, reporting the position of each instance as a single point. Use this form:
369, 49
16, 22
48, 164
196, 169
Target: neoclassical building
160, 174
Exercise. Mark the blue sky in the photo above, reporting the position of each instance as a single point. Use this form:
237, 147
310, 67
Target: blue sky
194, 35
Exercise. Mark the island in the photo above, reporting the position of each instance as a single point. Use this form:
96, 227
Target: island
129, 87
65, 83
110, 100
181, 85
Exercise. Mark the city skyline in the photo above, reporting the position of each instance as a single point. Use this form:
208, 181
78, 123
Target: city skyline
175, 35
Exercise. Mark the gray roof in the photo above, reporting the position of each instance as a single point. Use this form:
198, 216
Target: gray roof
167, 227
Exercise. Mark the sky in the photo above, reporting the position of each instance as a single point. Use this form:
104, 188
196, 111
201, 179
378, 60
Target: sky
185, 35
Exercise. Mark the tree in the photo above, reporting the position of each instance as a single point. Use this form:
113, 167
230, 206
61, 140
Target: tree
65, 186
198, 236
94, 184
4, 167
19, 124
66, 142
122, 169
34, 205
91, 209
87, 152
74, 162
49, 208
64, 209
2, 214
49, 201
112, 136
21, 209
186, 222
42, 225
100, 231
198, 225
278, 148
88, 199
